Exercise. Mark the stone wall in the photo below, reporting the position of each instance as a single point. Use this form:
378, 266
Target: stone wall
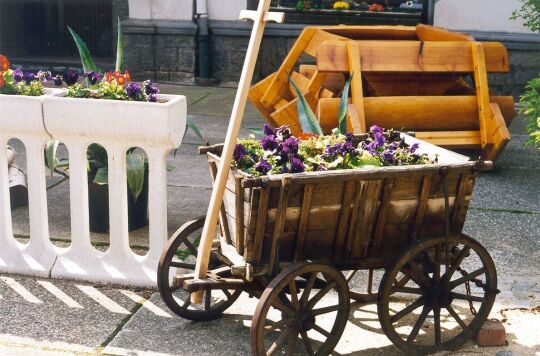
160, 50
524, 52
229, 40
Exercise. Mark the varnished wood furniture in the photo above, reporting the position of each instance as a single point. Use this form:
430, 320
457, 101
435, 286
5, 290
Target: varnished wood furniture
411, 78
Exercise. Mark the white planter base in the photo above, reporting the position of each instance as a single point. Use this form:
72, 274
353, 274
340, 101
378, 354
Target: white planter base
107, 267
157, 128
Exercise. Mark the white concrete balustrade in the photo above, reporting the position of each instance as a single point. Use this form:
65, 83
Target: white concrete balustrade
156, 128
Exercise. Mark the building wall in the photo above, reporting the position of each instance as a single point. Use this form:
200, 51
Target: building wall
479, 15
230, 12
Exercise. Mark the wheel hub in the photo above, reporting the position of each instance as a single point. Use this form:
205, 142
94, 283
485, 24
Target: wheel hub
438, 294
305, 320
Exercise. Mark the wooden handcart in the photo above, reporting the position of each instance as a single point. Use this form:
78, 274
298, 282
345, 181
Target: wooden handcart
286, 239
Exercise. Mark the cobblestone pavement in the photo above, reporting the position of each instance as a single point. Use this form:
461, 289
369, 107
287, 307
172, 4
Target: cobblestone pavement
59, 317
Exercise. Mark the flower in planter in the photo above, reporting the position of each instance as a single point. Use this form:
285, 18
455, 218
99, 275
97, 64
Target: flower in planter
150, 89
58, 80
4, 63
19, 82
341, 5
71, 77
18, 75
375, 7
118, 77
134, 91
93, 77
29, 77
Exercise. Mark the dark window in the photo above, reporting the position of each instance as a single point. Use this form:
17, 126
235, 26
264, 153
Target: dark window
38, 28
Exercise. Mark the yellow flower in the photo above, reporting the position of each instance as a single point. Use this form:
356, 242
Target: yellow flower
341, 5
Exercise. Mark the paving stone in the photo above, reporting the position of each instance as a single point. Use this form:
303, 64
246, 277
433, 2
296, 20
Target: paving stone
229, 335
50, 319
510, 239
178, 336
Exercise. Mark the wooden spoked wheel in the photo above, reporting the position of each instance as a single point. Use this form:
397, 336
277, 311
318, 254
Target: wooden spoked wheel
293, 317
180, 257
424, 308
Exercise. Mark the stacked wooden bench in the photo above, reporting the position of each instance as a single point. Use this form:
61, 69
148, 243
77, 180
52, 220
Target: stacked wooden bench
422, 79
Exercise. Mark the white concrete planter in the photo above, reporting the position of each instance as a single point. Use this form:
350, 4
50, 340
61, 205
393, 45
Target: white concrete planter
117, 125
21, 117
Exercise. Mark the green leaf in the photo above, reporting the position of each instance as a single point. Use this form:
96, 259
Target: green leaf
120, 48
344, 107
102, 176
365, 160
135, 174
86, 58
50, 155
307, 118
97, 155
193, 127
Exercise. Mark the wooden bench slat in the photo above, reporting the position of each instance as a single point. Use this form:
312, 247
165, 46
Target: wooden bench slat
430, 33
456, 139
404, 56
418, 113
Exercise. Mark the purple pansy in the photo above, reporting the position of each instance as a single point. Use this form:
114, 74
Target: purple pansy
43, 75
297, 166
133, 90
339, 149
152, 98
379, 138
388, 155
150, 89
93, 77
414, 147
268, 131
263, 167
371, 148
376, 129
71, 76
290, 145
283, 132
18, 75
29, 77
239, 152
58, 80
269, 143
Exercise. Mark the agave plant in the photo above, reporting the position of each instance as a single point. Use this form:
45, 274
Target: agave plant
308, 120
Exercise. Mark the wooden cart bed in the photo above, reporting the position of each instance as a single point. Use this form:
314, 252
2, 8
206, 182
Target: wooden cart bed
343, 216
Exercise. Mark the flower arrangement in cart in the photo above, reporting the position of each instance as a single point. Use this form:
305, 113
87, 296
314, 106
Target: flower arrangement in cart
279, 151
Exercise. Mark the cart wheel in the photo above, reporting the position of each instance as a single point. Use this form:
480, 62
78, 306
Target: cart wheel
424, 308
180, 257
301, 313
